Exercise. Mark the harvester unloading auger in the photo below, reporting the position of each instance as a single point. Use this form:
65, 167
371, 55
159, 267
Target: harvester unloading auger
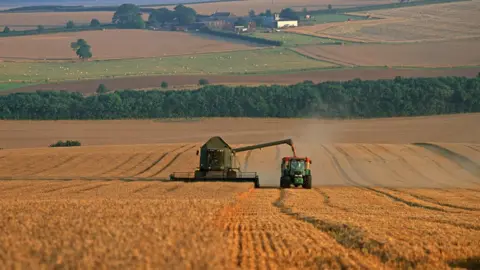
218, 159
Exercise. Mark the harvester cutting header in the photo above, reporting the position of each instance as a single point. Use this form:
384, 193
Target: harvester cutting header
218, 163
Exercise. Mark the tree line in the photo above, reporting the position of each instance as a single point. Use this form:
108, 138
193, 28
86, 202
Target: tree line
350, 99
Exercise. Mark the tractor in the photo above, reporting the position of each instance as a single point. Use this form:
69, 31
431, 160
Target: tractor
296, 171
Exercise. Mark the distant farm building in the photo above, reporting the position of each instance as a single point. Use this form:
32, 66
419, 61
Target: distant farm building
276, 22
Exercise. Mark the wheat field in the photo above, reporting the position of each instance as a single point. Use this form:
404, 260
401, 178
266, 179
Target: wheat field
379, 200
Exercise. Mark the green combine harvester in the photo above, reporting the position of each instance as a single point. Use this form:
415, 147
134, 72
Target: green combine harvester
218, 163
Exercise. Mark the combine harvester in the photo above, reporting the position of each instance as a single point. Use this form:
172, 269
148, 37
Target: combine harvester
218, 163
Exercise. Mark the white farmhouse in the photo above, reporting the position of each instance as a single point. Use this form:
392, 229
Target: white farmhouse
276, 22
286, 23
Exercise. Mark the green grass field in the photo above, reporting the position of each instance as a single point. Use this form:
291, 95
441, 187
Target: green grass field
252, 61
330, 18
292, 39
11, 85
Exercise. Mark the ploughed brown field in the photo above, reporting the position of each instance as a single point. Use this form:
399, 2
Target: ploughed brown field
52, 19
154, 44
427, 54
378, 201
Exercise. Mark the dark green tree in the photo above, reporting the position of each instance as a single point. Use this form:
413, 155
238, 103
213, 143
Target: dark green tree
347, 99
329, 7
40, 28
185, 15
289, 13
203, 82
268, 13
95, 23
259, 21
241, 22
6, 30
67, 143
78, 43
128, 16
164, 85
82, 49
102, 89
162, 16
70, 25
251, 13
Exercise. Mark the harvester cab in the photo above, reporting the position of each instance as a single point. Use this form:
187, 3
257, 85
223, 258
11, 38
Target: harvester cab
296, 171
217, 163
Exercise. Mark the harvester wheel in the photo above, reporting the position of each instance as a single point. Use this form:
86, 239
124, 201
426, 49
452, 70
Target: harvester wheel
285, 182
257, 183
307, 182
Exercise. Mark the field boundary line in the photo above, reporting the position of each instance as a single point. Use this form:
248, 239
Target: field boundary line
317, 58
461, 160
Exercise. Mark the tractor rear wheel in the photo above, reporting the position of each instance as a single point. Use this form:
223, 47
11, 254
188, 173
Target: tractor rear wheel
257, 183
285, 182
307, 182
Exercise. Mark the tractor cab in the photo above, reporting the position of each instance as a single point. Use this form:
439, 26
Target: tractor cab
296, 171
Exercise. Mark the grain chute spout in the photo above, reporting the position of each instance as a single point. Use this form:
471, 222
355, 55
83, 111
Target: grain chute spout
262, 145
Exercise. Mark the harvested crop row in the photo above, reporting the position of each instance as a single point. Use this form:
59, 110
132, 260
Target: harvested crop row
399, 235
263, 237
114, 234
452, 198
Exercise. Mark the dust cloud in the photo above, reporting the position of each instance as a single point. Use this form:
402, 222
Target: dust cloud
308, 139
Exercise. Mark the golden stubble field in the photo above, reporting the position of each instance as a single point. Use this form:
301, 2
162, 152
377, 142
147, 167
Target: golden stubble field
425, 54
411, 24
378, 202
52, 19
113, 44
